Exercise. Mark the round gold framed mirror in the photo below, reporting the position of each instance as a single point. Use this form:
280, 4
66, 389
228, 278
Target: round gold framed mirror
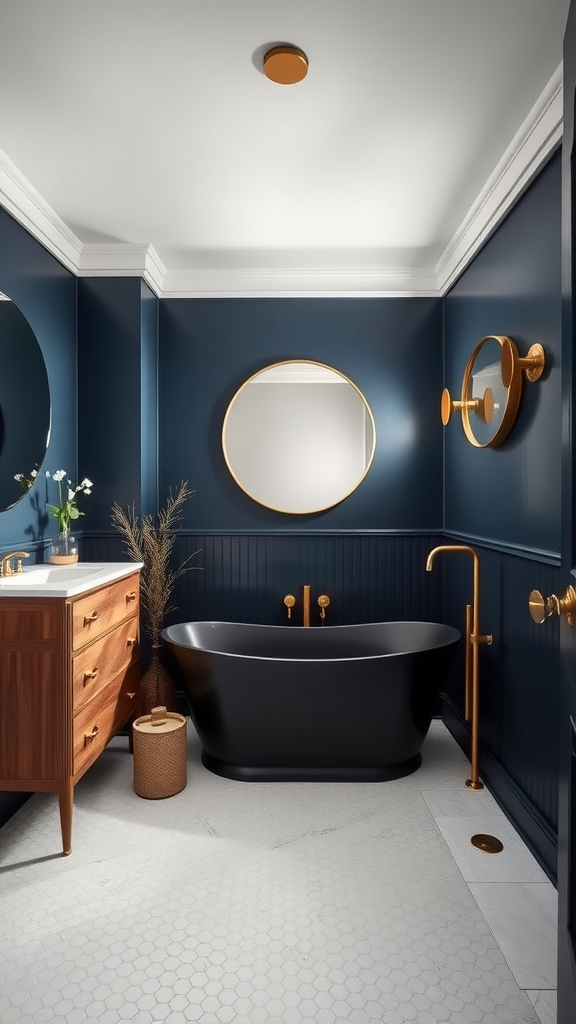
298, 436
492, 388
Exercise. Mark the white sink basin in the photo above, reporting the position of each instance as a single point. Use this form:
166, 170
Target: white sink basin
63, 580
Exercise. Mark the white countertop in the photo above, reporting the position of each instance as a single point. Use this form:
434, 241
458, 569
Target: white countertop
63, 580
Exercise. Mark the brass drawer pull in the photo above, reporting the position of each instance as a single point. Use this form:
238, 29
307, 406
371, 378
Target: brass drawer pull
90, 735
90, 618
131, 695
90, 675
131, 596
131, 641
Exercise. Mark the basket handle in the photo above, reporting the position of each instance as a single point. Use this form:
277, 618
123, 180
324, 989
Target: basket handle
158, 715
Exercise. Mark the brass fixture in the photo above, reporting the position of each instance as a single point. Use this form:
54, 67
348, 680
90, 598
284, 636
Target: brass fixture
499, 405
532, 363
6, 566
542, 607
306, 605
483, 407
473, 639
285, 65
486, 843
324, 602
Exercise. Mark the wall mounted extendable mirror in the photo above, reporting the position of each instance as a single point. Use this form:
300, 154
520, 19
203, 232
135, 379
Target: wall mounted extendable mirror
298, 436
492, 389
24, 405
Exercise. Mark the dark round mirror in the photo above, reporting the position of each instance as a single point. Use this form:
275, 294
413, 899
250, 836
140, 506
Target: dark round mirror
24, 405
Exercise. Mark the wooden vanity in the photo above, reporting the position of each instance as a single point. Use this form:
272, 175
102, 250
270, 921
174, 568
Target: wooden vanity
69, 680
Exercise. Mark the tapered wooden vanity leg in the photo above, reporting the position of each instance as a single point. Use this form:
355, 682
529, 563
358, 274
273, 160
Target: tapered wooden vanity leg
66, 801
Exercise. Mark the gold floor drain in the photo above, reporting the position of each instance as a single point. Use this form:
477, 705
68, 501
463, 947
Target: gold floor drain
489, 844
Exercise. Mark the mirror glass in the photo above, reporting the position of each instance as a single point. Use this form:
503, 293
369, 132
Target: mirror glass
298, 436
484, 373
487, 373
24, 405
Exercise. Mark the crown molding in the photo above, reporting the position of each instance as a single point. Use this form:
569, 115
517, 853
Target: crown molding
27, 206
538, 136
300, 283
123, 260
535, 140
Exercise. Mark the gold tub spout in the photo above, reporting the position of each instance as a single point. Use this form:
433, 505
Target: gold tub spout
473, 639
306, 605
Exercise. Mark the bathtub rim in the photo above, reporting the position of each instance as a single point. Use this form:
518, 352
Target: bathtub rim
453, 635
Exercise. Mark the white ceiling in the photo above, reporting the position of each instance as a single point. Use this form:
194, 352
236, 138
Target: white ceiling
143, 136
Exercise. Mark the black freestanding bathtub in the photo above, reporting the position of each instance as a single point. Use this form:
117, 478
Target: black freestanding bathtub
334, 703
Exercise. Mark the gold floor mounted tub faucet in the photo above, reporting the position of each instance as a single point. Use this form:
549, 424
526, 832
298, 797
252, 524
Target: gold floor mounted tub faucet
473, 639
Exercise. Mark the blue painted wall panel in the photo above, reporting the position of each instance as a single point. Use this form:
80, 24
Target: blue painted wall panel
390, 348
117, 381
511, 493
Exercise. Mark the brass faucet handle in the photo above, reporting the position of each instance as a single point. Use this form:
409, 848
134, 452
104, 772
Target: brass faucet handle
542, 607
289, 601
324, 602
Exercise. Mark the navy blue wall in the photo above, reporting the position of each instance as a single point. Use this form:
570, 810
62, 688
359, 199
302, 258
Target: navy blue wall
390, 348
512, 288
506, 502
117, 408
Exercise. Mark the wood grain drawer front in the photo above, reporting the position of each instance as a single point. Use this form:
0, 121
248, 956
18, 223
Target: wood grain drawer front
104, 715
97, 612
105, 659
31, 730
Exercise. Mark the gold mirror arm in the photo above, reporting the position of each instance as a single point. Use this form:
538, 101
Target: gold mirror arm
483, 407
533, 363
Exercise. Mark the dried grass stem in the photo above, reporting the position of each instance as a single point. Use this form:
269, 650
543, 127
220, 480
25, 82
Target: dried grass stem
150, 540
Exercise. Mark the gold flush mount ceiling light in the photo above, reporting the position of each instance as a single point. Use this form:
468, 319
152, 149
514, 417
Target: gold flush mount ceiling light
285, 65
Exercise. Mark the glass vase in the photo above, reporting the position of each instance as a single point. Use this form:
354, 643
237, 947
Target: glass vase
63, 549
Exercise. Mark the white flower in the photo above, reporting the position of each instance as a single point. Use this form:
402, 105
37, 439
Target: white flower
18, 476
86, 483
59, 475
71, 494
47, 474
87, 490
34, 474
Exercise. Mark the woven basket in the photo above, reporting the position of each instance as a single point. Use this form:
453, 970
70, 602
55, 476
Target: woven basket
159, 742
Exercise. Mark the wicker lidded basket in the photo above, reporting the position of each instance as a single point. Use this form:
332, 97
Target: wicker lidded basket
159, 743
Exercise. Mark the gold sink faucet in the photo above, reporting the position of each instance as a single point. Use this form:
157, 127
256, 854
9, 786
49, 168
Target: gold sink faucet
473, 638
6, 565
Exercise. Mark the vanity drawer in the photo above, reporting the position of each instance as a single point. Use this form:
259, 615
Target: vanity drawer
97, 612
103, 660
99, 720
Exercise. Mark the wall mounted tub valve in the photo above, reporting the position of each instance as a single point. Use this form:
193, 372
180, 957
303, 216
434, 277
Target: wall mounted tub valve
289, 601
323, 601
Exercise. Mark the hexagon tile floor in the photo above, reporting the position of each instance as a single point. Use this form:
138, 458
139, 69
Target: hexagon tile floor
255, 903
